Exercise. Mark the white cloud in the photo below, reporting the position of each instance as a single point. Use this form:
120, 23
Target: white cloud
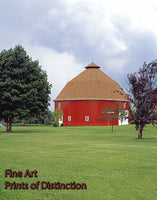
142, 13
98, 20
86, 29
60, 67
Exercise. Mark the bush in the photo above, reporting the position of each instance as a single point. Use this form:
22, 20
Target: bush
46, 121
55, 124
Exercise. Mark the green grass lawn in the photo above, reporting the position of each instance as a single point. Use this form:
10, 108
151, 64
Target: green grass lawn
113, 166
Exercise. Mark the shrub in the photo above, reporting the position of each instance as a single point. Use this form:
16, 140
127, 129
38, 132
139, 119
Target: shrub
55, 124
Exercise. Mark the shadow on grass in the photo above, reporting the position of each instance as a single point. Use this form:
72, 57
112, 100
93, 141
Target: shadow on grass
145, 139
21, 132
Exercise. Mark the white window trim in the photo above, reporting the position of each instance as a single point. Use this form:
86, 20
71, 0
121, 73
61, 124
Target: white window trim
87, 118
69, 118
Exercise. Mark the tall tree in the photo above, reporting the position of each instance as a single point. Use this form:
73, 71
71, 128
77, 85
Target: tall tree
24, 89
112, 112
143, 94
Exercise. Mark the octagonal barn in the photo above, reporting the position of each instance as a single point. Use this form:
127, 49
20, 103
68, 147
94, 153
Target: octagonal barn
83, 98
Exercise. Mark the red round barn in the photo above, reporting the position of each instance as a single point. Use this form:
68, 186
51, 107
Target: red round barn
84, 97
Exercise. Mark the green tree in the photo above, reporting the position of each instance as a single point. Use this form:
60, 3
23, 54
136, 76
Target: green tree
143, 94
48, 118
113, 112
57, 114
24, 89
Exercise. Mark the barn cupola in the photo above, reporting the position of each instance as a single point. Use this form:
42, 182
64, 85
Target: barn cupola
92, 65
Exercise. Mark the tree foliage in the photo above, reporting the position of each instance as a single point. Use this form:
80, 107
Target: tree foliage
24, 89
113, 112
46, 118
57, 114
143, 94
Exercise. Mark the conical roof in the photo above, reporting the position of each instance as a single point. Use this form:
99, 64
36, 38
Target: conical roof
92, 84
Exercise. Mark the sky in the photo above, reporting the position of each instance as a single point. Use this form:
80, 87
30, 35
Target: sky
67, 35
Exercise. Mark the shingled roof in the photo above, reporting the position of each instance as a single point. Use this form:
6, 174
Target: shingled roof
92, 84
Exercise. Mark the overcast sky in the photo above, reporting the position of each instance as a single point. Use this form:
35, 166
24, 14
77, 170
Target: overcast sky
67, 35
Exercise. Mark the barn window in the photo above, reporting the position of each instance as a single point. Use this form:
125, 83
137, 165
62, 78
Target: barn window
125, 105
86, 118
59, 105
69, 118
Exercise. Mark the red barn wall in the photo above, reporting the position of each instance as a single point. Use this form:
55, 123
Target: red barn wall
78, 109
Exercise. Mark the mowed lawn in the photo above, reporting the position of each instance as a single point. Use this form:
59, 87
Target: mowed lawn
113, 166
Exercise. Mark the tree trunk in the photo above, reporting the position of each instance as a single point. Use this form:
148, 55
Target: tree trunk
9, 126
140, 133
112, 126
